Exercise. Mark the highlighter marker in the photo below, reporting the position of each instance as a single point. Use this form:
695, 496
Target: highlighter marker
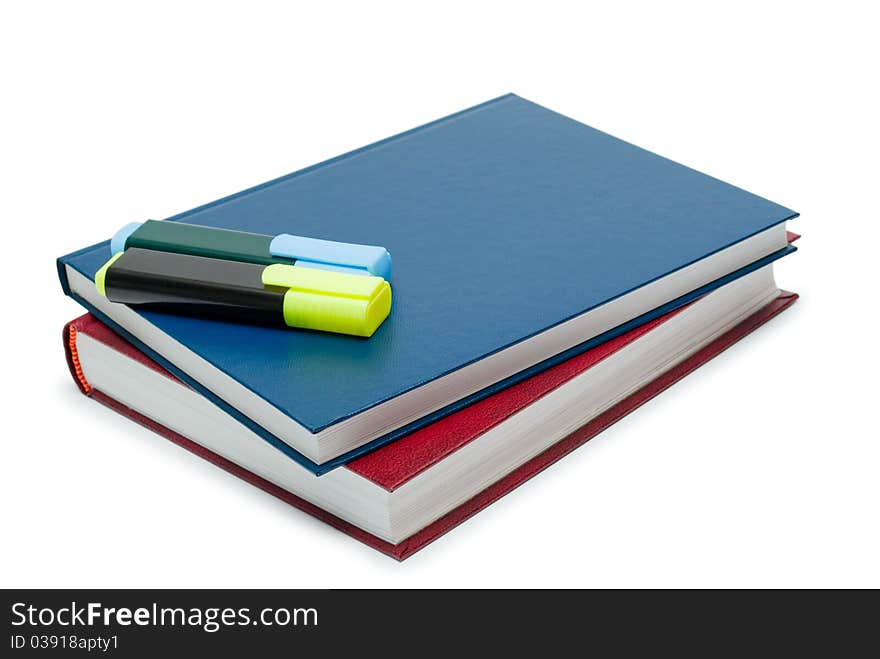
277, 293
258, 248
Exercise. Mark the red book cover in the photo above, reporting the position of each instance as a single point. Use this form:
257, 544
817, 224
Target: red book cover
394, 464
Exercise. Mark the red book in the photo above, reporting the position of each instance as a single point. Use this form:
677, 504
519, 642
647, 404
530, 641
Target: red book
393, 466
112, 371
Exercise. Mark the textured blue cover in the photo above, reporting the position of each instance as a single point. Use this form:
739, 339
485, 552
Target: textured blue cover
502, 220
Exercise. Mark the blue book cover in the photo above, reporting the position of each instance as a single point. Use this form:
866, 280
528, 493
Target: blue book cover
503, 221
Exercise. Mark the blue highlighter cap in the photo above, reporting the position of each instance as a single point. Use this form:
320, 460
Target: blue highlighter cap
117, 242
330, 255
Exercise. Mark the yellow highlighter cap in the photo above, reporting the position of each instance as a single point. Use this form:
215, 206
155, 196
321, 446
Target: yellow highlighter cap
330, 301
101, 275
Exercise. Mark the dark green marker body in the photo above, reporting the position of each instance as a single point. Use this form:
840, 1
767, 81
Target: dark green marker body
197, 240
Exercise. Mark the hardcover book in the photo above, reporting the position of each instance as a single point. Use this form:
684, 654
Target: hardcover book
520, 239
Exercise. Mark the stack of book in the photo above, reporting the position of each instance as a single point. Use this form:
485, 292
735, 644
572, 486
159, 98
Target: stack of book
548, 280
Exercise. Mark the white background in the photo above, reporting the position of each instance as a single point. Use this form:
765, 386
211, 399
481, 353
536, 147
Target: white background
761, 469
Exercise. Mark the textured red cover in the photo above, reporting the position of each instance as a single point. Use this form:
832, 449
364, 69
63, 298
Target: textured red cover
94, 328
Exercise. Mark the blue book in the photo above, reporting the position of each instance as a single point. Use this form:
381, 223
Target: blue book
519, 238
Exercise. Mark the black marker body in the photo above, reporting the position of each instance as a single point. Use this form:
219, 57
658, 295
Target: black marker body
194, 285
